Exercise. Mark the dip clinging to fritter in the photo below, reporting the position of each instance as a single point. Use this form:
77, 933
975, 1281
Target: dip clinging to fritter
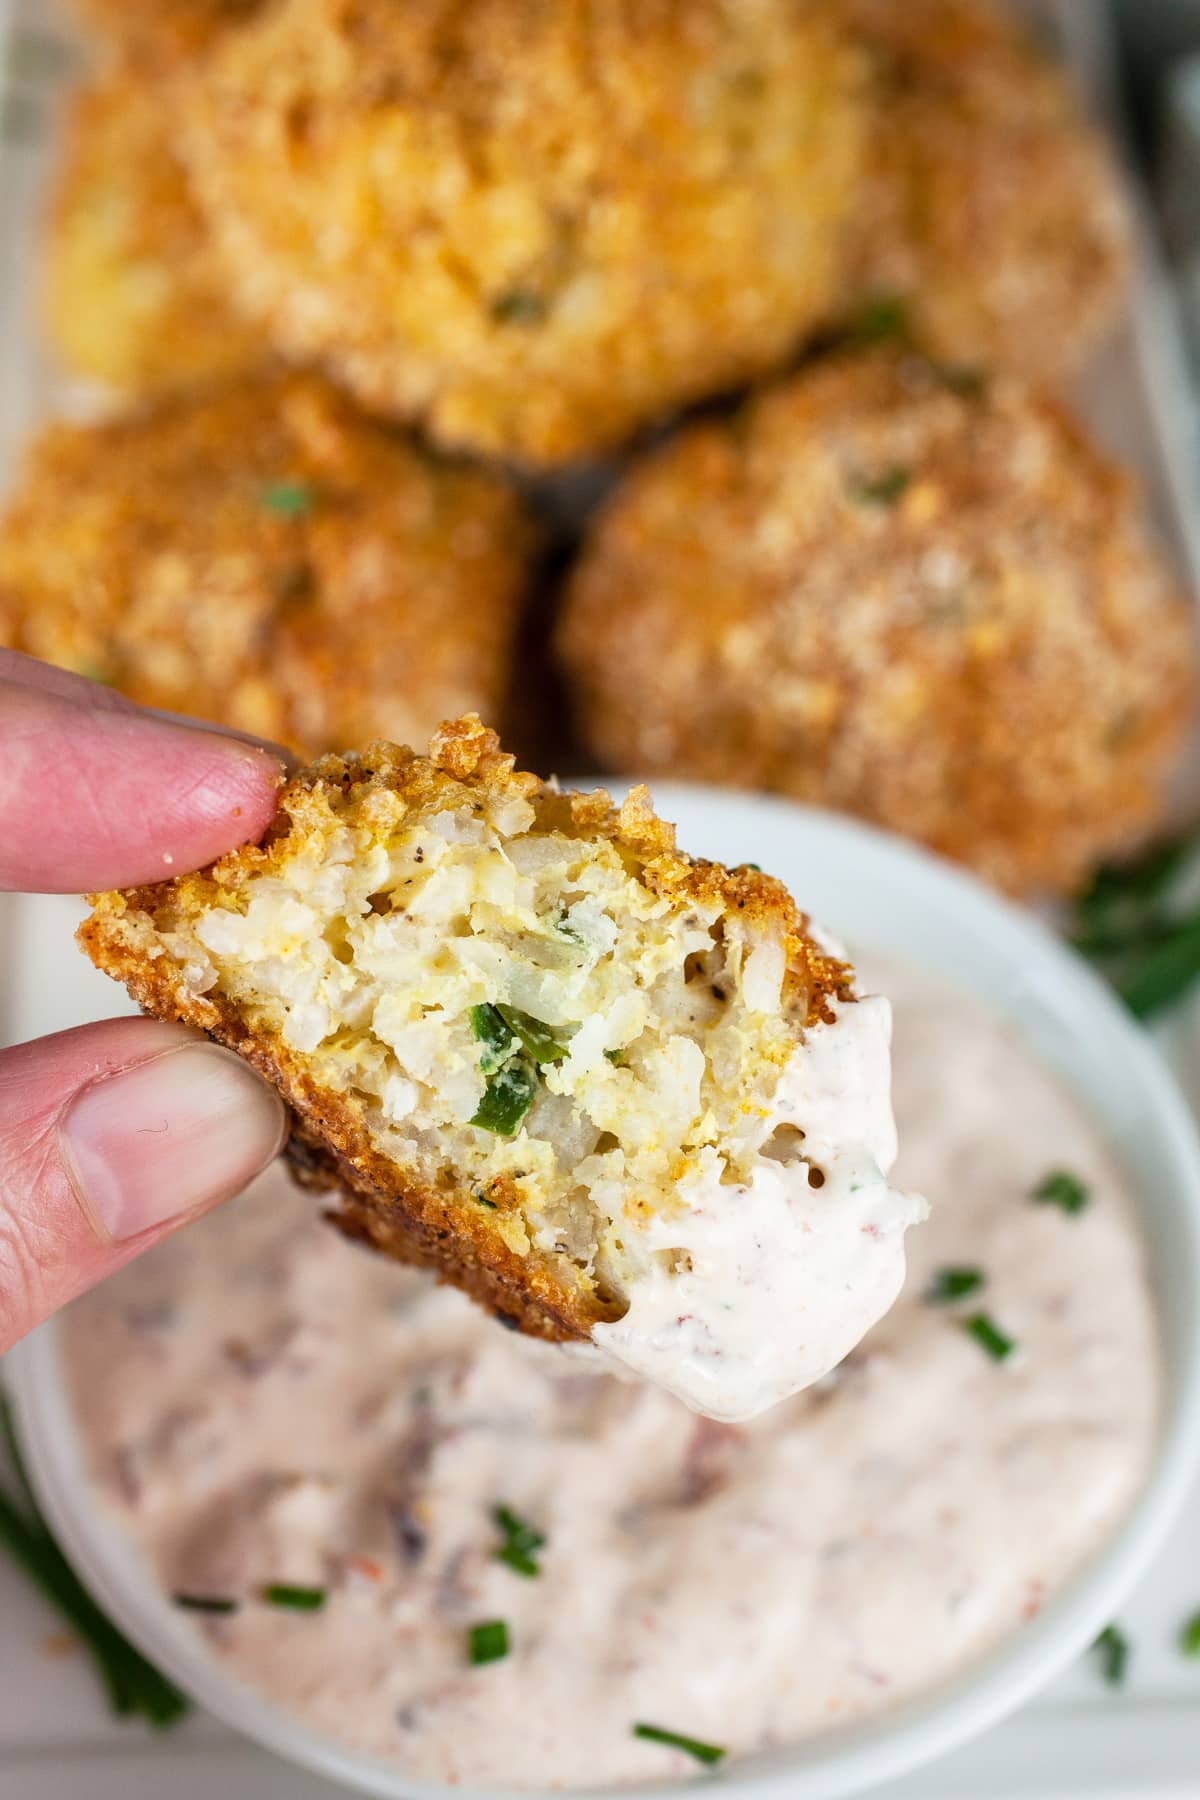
612, 1092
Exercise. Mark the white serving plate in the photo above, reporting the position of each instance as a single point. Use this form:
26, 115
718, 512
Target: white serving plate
56, 1741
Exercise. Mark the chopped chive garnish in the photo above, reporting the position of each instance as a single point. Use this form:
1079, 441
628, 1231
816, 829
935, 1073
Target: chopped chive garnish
133, 1685
488, 1643
953, 1284
482, 1200
288, 499
295, 1599
704, 1753
1112, 1647
537, 1038
883, 490
616, 1057
1189, 1636
988, 1335
496, 1037
880, 318
757, 867
521, 1542
507, 1097
205, 1603
519, 306
1062, 1189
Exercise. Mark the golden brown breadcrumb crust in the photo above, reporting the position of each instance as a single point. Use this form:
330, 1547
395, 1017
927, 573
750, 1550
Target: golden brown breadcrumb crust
536, 228
439, 1226
888, 589
157, 35
264, 556
988, 205
133, 292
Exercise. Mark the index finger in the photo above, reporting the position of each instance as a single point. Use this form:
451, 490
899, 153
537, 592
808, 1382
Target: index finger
96, 794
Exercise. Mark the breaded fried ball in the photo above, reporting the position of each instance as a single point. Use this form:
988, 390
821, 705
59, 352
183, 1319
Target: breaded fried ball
614, 1093
264, 557
157, 34
990, 208
886, 589
134, 295
535, 228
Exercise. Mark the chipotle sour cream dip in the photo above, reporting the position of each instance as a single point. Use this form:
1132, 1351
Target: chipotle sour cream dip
262, 1403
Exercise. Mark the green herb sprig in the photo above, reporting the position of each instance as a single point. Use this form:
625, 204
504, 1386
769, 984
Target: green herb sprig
520, 1542
487, 1642
515, 1047
988, 1335
291, 1598
134, 1687
1062, 1189
710, 1754
1113, 1649
951, 1284
1140, 928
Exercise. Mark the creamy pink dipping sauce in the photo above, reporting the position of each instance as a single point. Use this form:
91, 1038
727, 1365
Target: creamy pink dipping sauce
263, 1403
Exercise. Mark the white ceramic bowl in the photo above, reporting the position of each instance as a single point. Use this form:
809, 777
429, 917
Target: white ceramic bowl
880, 895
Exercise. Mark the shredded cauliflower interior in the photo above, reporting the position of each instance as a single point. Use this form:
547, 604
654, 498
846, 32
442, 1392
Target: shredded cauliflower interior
502, 1001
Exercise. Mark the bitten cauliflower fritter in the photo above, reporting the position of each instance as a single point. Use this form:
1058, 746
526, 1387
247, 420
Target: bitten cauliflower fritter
989, 207
885, 588
134, 295
158, 34
586, 1078
265, 557
536, 228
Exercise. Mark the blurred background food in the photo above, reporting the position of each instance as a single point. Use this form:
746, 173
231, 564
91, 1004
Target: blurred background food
895, 577
134, 291
889, 589
989, 205
264, 556
534, 228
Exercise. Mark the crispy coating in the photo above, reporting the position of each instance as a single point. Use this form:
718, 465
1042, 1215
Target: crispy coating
882, 588
440, 1223
264, 557
133, 293
155, 35
537, 228
989, 204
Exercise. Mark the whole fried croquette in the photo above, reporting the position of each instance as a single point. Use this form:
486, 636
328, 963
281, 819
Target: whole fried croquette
264, 557
891, 589
133, 293
990, 208
535, 228
614, 1093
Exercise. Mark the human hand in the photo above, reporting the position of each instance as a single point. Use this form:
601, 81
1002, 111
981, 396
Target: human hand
112, 1135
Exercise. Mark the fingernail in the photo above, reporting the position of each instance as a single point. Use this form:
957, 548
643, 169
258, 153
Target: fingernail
169, 1137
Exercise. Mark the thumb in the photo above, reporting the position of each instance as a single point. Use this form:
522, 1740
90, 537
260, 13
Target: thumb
110, 1137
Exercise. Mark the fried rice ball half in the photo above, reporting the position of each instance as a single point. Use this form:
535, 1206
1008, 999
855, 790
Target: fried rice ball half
133, 293
265, 557
535, 228
155, 35
990, 207
581, 1075
886, 588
